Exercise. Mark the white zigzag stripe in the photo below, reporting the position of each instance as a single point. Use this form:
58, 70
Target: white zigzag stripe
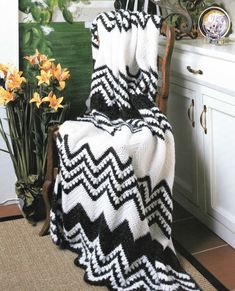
106, 84
137, 227
102, 181
118, 200
100, 266
106, 163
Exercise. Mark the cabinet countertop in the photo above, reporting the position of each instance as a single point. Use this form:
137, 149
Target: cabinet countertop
201, 46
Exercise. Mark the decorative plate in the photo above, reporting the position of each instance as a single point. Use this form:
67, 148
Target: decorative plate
214, 23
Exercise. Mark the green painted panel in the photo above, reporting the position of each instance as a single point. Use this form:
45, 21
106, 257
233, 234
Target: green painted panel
71, 47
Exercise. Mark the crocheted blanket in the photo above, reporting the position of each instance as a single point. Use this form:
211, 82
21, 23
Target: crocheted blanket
113, 193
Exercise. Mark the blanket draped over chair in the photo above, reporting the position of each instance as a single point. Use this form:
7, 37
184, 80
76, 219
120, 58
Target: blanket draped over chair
113, 200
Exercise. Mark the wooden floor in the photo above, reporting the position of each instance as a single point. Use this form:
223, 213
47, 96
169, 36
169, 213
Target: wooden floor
208, 249
9, 210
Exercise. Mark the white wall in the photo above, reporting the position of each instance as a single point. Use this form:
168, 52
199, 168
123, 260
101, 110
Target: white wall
9, 53
229, 6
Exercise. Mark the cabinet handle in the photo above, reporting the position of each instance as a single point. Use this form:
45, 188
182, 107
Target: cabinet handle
195, 72
191, 113
203, 119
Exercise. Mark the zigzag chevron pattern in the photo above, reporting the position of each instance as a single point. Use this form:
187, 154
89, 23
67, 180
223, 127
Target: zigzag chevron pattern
118, 90
125, 20
134, 78
152, 119
107, 175
113, 201
119, 263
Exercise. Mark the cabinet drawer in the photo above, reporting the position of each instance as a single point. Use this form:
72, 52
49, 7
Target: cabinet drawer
205, 70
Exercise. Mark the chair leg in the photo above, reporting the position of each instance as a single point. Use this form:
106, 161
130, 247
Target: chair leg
47, 187
45, 194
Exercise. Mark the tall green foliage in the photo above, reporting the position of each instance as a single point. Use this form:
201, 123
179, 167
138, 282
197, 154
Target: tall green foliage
71, 46
42, 12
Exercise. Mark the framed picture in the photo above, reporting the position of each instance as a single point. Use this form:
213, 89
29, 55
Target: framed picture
214, 23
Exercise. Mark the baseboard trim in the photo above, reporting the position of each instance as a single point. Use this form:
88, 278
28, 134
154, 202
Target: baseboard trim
7, 218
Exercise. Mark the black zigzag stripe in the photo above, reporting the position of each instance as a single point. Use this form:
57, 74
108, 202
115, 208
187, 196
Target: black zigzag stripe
101, 121
113, 248
150, 76
124, 19
157, 204
119, 88
107, 19
155, 118
110, 240
105, 79
95, 44
94, 36
110, 90
85, 170
115, 90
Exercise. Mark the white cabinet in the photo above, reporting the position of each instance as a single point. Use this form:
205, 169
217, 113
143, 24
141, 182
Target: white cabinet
181, 112
201, 110
219, 144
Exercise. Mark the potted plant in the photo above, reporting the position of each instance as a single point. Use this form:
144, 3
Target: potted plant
31, 106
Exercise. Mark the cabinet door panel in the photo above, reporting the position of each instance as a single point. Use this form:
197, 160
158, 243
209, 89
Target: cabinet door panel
220, 161
181, 114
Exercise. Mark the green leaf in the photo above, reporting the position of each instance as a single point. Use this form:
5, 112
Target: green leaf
26, 38
52, 3
36, 13
67, 15
25, 5
37, 32
61, 4
48, 51
35, 43
42, 47
46, 16
36, 37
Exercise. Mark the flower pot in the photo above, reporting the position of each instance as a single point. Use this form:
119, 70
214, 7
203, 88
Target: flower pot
30, 199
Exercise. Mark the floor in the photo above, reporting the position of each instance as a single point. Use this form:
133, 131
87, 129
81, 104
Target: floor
211, 252
214, 254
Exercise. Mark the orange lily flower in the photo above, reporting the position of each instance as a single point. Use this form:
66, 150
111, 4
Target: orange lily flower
44, 77
4, 70
41, 58
6, 96
14, 80
2, 99
32, 60
36, 99
46, 66
36, 59
61, 75
55, 103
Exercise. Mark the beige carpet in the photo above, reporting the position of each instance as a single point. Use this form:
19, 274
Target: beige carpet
32, 263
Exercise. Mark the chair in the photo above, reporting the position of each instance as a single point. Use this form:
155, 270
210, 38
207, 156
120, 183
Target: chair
163, 62
113, 191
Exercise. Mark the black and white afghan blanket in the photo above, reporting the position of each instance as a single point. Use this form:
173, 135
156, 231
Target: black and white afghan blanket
113, 199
